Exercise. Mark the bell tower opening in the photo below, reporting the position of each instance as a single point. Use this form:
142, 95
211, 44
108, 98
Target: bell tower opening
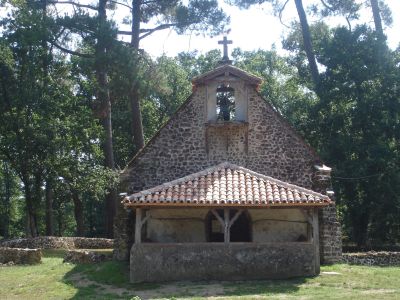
226, 109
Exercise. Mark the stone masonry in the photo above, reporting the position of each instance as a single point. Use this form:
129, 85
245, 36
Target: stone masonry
215, 261
263, 142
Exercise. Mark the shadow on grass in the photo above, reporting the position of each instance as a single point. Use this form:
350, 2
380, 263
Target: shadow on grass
105, 280
110, 280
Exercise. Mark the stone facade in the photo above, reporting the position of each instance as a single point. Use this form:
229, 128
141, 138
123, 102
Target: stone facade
261, 140
216, 261
330, 236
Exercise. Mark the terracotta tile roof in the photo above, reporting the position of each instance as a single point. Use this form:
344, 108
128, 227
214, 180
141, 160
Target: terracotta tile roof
226, 184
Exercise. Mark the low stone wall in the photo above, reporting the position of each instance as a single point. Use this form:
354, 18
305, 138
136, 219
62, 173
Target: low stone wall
20, 256
52, 242
217, 261
372, 258
85, 257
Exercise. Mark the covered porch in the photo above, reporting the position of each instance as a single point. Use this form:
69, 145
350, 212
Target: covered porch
225, 223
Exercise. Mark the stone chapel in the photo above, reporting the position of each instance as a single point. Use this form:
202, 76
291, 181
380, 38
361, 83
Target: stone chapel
226, 190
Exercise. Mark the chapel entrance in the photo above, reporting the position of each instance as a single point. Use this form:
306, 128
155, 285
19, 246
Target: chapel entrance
240, 230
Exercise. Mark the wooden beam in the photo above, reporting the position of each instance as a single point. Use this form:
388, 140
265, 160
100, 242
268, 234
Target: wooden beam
146, 218
220, 220
309, 218
316, 240
227, 233
235, 217
138, 226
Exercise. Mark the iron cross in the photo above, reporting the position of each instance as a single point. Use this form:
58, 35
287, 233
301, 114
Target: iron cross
225, 42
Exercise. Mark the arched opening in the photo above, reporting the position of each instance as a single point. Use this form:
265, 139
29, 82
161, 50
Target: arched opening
240, 230
214, 229
225, 103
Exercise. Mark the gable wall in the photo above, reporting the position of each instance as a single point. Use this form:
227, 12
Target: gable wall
185, 146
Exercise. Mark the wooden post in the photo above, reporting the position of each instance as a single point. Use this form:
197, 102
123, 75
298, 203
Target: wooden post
138, 226
227, 235
316, 240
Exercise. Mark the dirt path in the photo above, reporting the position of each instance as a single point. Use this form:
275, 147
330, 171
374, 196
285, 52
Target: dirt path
162, 292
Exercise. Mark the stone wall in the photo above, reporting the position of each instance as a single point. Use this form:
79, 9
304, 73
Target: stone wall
188, 143
52, 242
20, 256
277, 225
85, 257
330, 236
216, 261
372, 258
176, 226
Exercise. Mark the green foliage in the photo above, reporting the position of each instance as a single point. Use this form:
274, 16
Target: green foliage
11, 206
47, 130
282, 86
358, 120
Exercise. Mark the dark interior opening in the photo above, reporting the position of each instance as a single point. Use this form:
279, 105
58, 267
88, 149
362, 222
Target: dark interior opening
214, 230
225, 103
240, 230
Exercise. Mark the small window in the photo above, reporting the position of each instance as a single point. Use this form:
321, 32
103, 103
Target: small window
225, 103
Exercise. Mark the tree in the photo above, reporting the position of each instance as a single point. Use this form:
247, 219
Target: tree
358, 131
279, 7
195, 15
46, 129
98, 35
282, 85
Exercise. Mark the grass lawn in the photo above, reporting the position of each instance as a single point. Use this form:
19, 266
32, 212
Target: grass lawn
109, 280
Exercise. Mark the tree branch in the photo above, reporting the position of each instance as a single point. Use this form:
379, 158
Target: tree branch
123, 4
326, 5
71, 51
152, 30
124, 32
281, 12
73, 3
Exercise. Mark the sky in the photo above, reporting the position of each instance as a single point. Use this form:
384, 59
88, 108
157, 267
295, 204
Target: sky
253, 29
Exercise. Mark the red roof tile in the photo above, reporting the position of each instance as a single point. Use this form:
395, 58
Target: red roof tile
226, 184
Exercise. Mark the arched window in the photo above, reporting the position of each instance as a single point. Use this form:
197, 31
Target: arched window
225, 103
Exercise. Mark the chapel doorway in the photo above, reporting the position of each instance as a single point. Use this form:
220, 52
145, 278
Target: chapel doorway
240, 230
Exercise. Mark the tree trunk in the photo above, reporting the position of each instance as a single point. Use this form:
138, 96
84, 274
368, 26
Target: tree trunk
134, 97
30, 212
361, 230
377, 17
37, 200
8, 182
49, 207
305, 29
78, 213
103, 97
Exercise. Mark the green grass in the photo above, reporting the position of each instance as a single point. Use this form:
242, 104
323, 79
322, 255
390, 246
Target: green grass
109, 280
